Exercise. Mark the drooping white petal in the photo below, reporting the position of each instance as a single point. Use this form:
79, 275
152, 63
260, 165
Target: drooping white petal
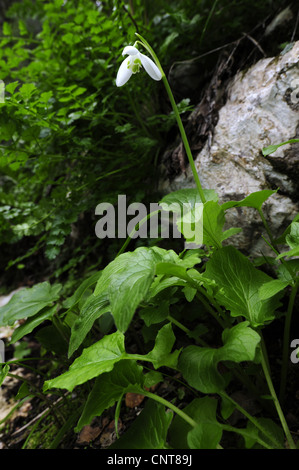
130, 50
124, 73
150, 67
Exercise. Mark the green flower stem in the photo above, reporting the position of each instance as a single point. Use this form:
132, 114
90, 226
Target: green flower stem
116, 415
174, 408
271, 246
252, 419
177, 115
264, 362
286, 341
184, 138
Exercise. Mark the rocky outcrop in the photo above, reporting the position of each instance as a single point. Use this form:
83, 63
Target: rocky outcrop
262, 108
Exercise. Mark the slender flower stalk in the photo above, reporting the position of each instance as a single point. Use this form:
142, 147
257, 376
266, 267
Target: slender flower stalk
177, 115
131, 65
266, 370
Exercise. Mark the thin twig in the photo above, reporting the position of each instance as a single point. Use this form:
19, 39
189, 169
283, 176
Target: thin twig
193, 59
131, 17
47, 410
255, 42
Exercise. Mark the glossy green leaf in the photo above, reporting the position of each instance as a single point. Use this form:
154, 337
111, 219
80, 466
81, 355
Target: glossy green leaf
292, 239
288, 254
172, 269
288, 270
199, 365
151, 378
127, 280
188, 197
102, 356
190, 293
187, 205
230, 232
271, 288
213, 222
28, 302
189, 210
32, 323
239, 283
208, 432
227, 407
282, 238
86, 284
95, 360
3, 372
161, 354
161, 284
155, 314
93, 308
255, 200
190, 224
23, 391
270, 427
272, 148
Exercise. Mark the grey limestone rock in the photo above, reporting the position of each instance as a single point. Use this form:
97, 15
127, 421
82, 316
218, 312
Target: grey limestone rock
262, 108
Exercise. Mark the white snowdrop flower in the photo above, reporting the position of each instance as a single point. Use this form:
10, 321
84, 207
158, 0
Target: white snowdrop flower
133, 63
